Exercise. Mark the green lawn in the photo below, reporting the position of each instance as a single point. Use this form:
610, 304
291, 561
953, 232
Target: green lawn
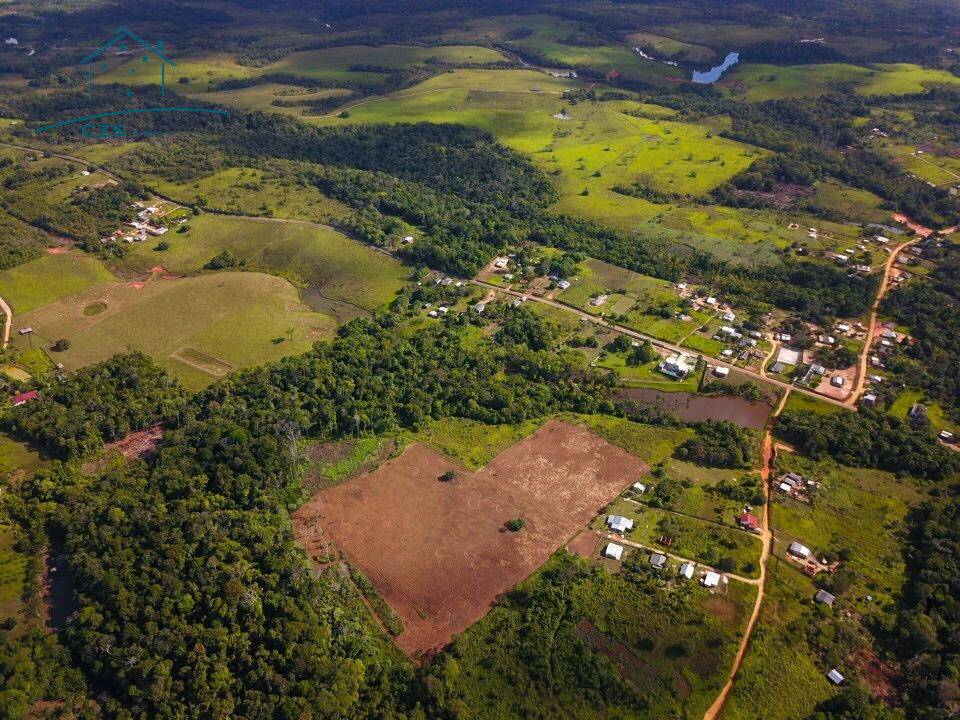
647, 376
650, 443
470, 443
802, 402
12, 568
50, 278
698, 499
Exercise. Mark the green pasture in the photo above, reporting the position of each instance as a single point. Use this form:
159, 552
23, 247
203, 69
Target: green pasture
198, 328
859, 511
850, 203
668, 47
15, 455
191, 74
698, 497
250, 191
514, 105
907, 397
470, 443
777, 82
779, 642
646, 376
271, 97
801, 402
331, 267
650, 443
937, 168
50, 278
13, 566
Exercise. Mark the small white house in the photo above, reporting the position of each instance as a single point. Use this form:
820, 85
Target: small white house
658, 561
721, 371
798, 550
835, 677
619, 523
443, 309
613, 551
729, 317
711, 579
500, 263
711, 300
480, 307
563, 284
639, 488
687, 570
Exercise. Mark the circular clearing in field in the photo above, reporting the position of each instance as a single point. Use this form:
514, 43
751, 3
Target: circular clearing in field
94, 309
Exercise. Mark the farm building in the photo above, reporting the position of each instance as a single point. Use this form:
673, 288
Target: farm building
687, 570
658, 561
748, 521
24, 398
613, 551
711, 579
824, 598
799, 550
620, 523
835, 677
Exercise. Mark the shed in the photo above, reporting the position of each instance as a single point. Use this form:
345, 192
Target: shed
824, 598
721, 371
835, 677
639, 487
658, 560
563, 284
613, 551
687, 570
480, 307
784, 487
711, 579
798, 549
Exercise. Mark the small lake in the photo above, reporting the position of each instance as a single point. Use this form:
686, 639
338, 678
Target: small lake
707, 77
694, 408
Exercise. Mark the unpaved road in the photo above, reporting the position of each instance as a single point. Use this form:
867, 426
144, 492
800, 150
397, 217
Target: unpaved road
766, 535
8, 322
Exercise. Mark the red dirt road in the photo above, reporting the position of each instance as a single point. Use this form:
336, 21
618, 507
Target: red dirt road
437, 551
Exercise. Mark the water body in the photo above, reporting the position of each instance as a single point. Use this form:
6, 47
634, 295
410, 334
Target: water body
694, 408
713, 74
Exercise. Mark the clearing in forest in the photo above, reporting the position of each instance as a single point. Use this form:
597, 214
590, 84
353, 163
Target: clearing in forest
437, 550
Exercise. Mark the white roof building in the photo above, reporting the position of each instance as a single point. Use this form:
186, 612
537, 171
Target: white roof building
619, 523
639, 487
721, 371
786, 356
729, 317
563, 284
687, 570
613, 551
785, 487
677, 366
480, 307
711, 579
835, 677
711, 300
798, 549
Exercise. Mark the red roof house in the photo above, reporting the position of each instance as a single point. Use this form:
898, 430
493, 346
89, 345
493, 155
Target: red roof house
24, 398
748, 521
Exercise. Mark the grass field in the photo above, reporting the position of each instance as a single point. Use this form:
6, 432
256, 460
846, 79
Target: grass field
13, 565
667, 47
697, 498
907, 397
331, 267
292, 100
779, 643
15, 455
777, 82
856, 510
648, 442
50, 278
250, 191
470, 443
647, 376
514, 105
198, 328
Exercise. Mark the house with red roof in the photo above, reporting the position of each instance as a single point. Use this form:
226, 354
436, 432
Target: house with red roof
748, 521
24, 398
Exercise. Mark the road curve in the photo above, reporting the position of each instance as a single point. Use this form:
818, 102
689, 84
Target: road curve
8, 322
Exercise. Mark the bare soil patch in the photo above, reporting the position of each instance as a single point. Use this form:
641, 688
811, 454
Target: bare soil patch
437, 551
138, 444
584, 544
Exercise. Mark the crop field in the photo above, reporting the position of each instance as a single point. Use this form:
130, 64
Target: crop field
780, 641
197, 328
437, 552
856, 510
50, 278
250, 191
776, 82
612, 623
330, 267
700, 540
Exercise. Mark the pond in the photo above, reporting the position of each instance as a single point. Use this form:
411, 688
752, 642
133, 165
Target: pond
713, 74
694, 408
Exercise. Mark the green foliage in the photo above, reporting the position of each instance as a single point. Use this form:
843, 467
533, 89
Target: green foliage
867, 439
224, 260
515, 524
719, 443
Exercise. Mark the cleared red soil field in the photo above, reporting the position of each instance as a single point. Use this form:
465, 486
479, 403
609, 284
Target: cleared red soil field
437, 551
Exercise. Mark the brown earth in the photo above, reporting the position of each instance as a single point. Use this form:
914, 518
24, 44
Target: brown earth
137, 444
438, 551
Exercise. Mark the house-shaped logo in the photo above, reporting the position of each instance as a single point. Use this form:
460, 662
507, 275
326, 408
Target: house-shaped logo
125, 42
